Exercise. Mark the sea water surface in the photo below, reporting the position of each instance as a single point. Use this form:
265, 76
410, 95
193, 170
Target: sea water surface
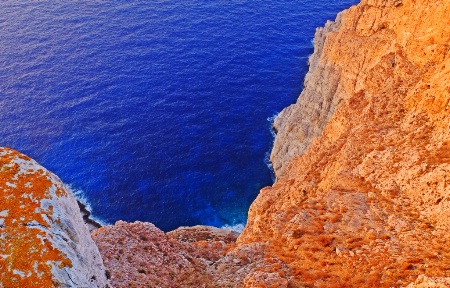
154, 110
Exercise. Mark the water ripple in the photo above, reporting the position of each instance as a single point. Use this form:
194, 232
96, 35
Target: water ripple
156, 110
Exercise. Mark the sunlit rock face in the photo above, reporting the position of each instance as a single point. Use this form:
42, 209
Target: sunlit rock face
362, 197
43, 239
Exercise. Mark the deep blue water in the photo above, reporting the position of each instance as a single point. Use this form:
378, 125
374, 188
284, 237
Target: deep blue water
156, 110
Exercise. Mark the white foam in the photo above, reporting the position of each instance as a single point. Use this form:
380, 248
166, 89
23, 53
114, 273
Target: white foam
271, 119
267, 155
269, 165
80, 196
237, 227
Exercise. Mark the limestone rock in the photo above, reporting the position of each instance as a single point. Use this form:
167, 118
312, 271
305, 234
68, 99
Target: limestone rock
43, 240
297, 125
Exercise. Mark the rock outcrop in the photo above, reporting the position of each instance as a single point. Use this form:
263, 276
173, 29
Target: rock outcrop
140, 255
367, 202
297, 125
43, 239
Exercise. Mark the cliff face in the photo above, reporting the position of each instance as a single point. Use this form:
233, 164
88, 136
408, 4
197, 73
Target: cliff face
297, 125
43, 239
343, 57
367, 202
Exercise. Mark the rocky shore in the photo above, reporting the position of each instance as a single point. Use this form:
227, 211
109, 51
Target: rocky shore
361, 199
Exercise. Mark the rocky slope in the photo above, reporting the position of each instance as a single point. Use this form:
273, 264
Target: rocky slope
43, 239
140, 255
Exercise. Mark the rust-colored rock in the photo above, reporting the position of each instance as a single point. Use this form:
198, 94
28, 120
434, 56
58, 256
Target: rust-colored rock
140, 255
203, 233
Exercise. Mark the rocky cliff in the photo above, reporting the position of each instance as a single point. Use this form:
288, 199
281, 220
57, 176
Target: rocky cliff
362, 159
43, 239
361, 199
362, 195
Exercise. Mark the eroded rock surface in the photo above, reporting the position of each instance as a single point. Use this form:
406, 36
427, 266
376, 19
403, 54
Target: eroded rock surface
367, 203
297, 125
203, 233
140, 255
428, 282
43, 240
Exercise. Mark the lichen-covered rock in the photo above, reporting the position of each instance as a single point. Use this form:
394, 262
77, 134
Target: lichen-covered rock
43, 239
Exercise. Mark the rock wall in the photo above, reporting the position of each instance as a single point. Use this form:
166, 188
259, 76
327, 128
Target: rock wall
297, 125
43, 239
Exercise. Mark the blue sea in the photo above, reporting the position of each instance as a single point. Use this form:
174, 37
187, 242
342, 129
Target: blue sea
155, 110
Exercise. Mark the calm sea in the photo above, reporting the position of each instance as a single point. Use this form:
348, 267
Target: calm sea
154, 110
